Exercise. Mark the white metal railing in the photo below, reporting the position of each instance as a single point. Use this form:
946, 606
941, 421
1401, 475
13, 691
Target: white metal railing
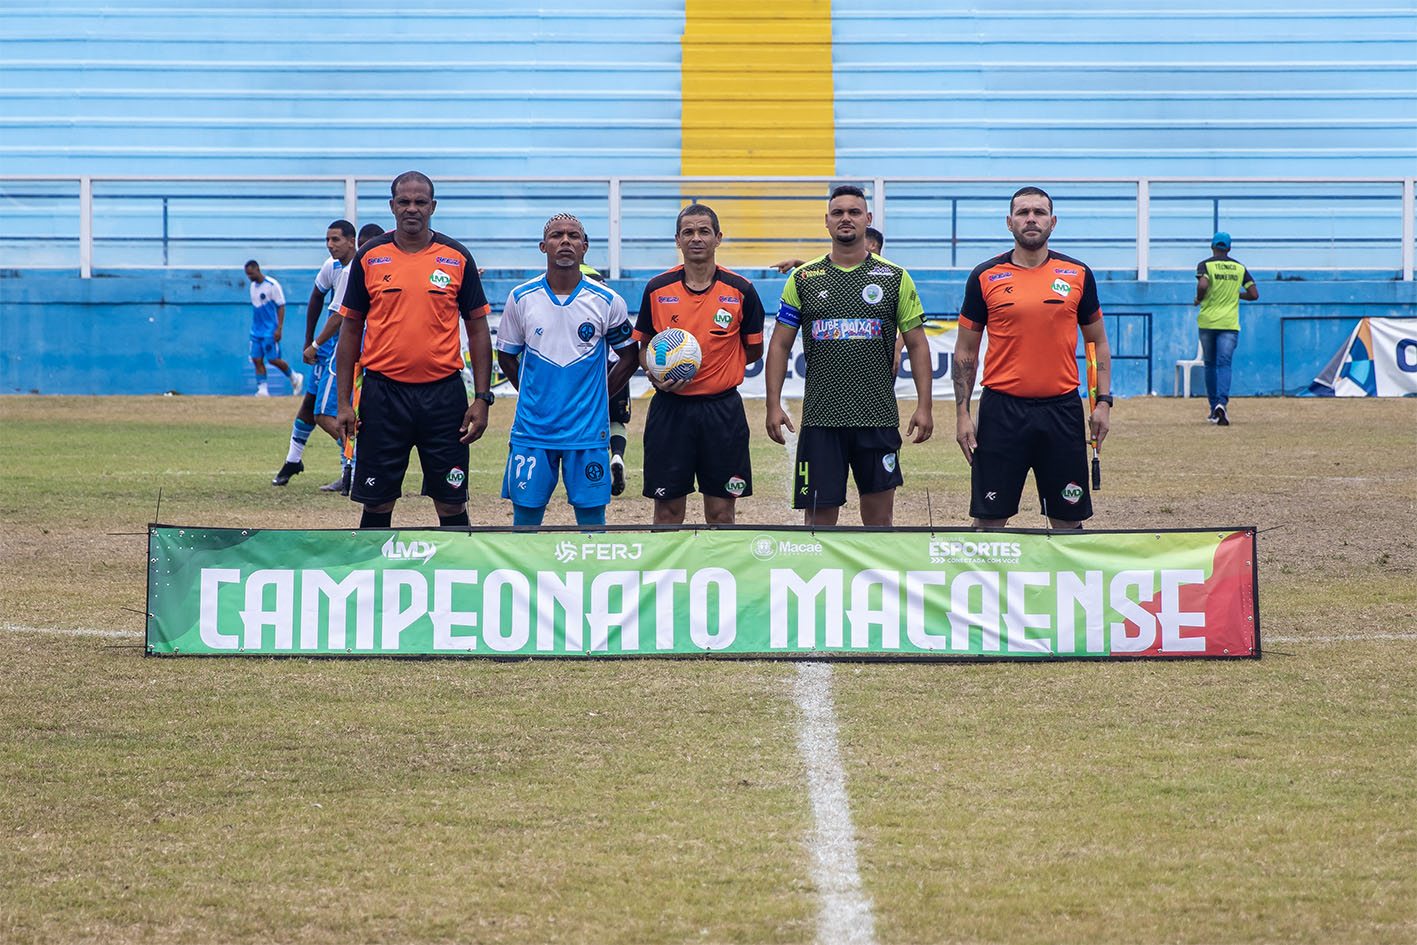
1142, 190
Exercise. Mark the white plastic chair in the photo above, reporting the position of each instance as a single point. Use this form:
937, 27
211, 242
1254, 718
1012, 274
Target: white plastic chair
1183, 372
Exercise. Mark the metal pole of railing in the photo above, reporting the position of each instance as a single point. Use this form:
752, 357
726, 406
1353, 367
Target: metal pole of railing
1143, 228
86, 227
164, 231
1407, 228
351, 202
954, 232
614, 228
878, 190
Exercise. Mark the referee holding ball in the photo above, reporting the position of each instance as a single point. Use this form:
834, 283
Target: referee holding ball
696, 429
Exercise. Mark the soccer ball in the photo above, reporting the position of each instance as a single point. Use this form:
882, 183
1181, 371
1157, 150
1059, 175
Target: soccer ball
674, 355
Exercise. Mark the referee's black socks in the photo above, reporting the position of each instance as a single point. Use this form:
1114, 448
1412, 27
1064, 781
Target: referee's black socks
376, 519
448, 521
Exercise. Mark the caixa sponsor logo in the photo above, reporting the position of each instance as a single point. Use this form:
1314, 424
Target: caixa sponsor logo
942, 551
396, 550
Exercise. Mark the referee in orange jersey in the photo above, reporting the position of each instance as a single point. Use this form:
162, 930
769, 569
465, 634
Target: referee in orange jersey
1032, 302
697, 430
404, 295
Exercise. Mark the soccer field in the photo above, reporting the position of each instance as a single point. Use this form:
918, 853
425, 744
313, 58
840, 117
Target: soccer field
179, 800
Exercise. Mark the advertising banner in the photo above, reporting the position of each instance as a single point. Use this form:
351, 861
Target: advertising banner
1379, 359
737, 591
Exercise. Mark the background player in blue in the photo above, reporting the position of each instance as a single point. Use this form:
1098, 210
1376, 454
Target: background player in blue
267, 322
339, 240
553, 344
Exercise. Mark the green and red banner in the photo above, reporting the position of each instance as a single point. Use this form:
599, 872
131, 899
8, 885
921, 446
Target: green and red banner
737, 591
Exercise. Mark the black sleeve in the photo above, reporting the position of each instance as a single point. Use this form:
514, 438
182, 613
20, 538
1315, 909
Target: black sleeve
471, 299
753, 314
356, 291
974, 308
1088, 306
644, 321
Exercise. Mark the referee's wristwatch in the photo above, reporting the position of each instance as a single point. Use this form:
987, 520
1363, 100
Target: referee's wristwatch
486, 396
1104, 399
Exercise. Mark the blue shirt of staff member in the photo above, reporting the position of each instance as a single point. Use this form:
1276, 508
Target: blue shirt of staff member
1221, 282
403, 297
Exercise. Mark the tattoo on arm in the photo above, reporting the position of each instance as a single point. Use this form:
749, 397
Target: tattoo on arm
962, 371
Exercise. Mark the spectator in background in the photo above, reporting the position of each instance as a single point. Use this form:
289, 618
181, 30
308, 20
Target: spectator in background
267, 320
1221, 282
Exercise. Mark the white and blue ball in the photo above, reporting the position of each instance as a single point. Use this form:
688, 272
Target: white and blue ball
674, 355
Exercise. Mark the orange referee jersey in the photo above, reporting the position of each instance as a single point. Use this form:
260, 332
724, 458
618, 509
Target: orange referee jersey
724, 319
411, 303
1032, 317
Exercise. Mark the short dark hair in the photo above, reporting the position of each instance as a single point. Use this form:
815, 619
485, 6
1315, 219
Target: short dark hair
874, 234
848, 190
344, 226
410, 175
1028, 191
250, 263
696, 210
370, 230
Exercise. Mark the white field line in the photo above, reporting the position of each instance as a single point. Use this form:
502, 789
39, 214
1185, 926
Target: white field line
1340, 638
71, 631
845, 915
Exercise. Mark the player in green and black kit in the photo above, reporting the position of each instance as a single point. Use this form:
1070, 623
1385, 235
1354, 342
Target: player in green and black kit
849, 304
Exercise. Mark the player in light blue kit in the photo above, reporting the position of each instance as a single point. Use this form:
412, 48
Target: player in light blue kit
267, 322
553, 344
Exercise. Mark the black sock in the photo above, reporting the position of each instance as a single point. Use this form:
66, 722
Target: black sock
617, 446
447, 521
376, 519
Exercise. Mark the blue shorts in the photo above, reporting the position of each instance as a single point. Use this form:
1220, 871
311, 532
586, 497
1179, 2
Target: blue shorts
324, 388
532, 472
265, 348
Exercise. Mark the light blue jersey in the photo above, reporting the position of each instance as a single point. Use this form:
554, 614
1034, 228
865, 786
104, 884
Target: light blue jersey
326, 280
563, 345
266, 298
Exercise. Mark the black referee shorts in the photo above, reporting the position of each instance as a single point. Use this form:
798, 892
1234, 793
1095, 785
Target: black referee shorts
395, 417
703, 437
1016, 434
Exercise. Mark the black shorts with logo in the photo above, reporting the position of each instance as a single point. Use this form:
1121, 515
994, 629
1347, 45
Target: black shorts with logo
394, 418
825, 453
620, 405
703, 436
1045, 434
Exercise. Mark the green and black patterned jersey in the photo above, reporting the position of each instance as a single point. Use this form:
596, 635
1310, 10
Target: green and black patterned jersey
849, 319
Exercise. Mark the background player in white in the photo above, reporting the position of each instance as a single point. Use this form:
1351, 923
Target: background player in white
327, 393
267, 322
318, 405
553, 344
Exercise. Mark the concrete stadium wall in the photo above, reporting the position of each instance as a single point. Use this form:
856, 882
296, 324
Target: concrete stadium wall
126, 332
